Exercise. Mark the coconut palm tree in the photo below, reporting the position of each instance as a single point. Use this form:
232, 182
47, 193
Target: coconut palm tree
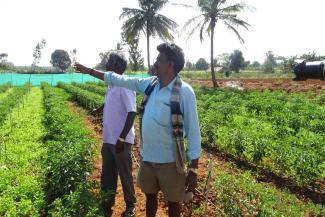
211, 11
147, 20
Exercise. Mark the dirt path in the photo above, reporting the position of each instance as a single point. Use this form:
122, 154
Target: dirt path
270, 84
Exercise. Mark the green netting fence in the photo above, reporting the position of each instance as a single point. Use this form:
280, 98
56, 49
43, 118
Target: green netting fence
36, 79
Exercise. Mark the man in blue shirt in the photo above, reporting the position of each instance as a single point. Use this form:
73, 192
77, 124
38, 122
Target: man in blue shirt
158, 168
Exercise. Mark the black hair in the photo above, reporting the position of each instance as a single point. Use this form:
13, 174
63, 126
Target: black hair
117, 61
173, 53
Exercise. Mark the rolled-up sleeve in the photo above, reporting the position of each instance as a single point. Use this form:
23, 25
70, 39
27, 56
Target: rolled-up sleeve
136, 84
191, 124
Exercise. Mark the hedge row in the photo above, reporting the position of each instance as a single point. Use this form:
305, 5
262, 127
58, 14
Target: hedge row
4, 87
11, 100
84, 98
101, 90
69, 159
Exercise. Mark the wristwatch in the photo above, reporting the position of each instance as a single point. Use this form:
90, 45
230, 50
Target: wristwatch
193, 170
121, 139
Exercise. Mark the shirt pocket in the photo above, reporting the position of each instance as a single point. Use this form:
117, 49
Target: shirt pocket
162, 114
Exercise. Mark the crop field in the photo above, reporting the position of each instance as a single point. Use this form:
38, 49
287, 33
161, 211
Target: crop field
263, 152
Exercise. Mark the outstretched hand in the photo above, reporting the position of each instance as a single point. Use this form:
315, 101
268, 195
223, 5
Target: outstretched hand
81, 68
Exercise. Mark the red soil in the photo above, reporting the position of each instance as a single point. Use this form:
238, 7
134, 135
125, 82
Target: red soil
271, 84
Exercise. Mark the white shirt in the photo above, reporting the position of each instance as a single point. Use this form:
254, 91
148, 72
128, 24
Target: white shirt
118, 102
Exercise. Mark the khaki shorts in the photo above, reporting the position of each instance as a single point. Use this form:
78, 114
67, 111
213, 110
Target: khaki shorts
153, 177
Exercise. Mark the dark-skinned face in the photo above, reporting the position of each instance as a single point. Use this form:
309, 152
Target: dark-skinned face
163, 66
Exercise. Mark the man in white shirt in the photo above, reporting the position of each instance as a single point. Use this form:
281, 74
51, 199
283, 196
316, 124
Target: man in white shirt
119, 111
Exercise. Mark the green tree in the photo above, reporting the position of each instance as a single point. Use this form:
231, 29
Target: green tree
147, 20
269, 63
104, 55
135, 59
60, 59
202, 64
224, 59
38, 53
189, 66
287, 63
3, 57
237, 61
312, 57
255, 64
246, 64
3, 60
213, 11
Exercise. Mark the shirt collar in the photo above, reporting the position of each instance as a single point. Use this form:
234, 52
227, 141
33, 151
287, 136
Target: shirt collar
170, 85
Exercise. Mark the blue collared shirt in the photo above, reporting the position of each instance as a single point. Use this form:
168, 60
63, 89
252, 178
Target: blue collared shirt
157, 136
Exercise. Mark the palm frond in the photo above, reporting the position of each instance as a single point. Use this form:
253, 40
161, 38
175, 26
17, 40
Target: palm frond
163, 26
133, 26
211, 25
163, 32
191, 22
241, 40
221, 2
235, 21
194, 29
130, 12
152, 5
206, 20
183, 5
233, 8
166, 21
158, 4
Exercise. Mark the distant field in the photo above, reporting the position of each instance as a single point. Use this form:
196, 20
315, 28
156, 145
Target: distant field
241, 74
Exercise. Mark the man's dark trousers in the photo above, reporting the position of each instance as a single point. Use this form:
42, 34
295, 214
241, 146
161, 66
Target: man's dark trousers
115, 164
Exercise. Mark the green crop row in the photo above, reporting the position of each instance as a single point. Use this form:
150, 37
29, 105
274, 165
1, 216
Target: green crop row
84, 98
284, 133
69, 158
11, 100
21, 153
99, 83
4, 87
240, 195
101, 90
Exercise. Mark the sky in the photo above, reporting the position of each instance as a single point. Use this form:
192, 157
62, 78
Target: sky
286, 27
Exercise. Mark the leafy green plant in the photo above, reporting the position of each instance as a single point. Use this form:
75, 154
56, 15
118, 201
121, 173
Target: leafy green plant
69, 154
84, 98
281, 132
21, 157
4, 87
92, 88
240, 195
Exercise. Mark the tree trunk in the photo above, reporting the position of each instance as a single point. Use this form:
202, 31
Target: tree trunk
215, 85
148, 48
